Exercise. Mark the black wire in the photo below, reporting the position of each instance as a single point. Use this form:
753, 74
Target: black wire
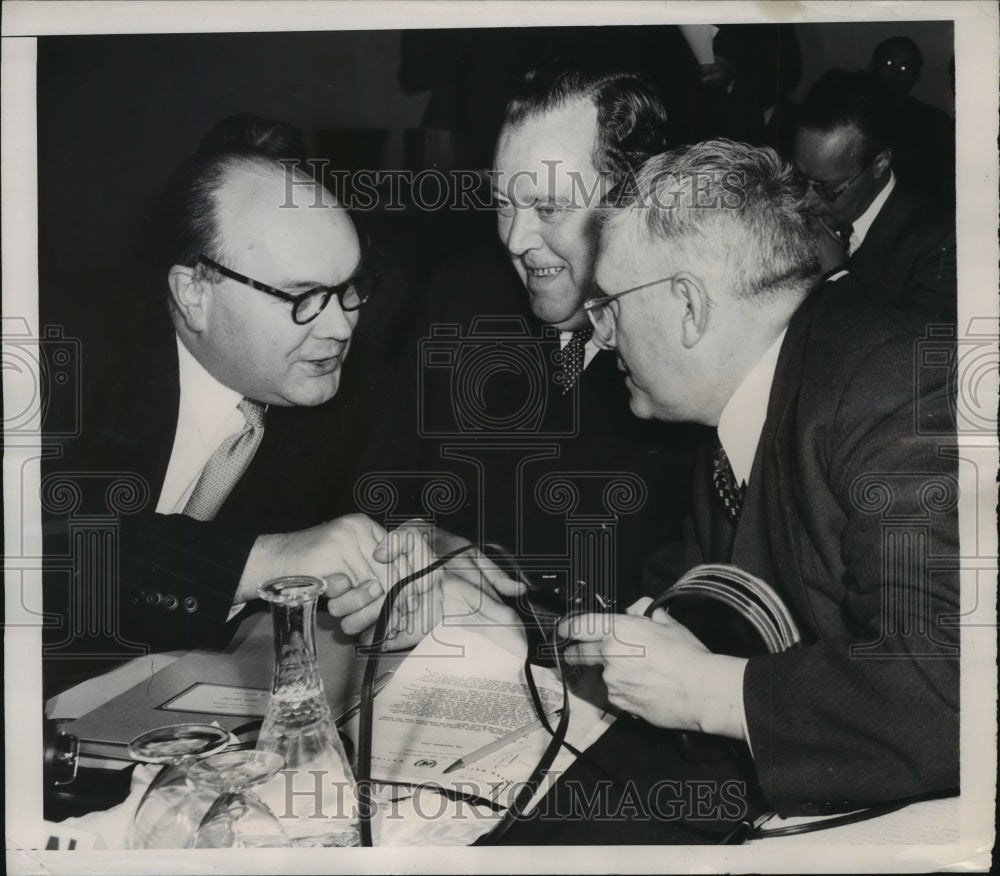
516, 811
373, 652
827, 823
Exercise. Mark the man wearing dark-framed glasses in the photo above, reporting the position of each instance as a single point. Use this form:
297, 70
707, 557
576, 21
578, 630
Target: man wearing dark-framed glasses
350, 294
898, 246
220, 411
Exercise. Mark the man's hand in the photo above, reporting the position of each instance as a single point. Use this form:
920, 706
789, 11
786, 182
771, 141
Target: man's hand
657, 669
344, 547
469, 586
832, 252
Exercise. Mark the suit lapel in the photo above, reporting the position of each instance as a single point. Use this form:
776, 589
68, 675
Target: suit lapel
148, 397
766, 539
870, 258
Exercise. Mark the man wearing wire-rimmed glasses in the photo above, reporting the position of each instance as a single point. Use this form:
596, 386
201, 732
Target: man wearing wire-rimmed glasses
707, 279
898, 244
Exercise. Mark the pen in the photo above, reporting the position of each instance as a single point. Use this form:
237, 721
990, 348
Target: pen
380, 683
497, 744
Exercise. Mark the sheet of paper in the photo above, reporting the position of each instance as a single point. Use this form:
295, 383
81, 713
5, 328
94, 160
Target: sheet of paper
220, 699
459, 690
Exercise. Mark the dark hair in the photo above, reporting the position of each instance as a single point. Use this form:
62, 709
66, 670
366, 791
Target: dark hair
186, 224
840, 98
631, 118
250, 135
742, 207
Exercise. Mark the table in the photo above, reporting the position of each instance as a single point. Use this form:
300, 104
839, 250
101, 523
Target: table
250, 655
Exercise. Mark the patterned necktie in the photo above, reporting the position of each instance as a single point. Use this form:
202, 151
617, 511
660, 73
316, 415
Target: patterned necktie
572, 362
226, 466
725, 484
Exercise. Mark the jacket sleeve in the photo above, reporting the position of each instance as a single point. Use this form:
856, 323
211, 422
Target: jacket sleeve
177, 579
932, 285
870, 713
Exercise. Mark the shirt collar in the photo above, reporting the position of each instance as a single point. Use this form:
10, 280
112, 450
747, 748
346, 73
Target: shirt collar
863, 223
743, 416
205, 403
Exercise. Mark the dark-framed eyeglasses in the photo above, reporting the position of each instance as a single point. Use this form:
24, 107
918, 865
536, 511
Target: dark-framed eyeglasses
603, 317
350, 294
830, 193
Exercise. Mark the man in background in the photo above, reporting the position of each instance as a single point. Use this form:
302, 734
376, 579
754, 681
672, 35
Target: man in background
900, 247
923, 136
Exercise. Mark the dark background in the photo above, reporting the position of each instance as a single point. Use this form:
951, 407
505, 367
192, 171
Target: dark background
116, 113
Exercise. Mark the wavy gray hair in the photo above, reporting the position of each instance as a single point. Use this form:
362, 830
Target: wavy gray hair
742, 206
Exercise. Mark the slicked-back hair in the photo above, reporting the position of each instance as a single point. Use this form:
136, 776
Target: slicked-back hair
250, 135
840, 98
187, 224
734, 207
631, 118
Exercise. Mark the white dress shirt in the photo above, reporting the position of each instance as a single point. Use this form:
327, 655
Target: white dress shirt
740, 426
206, 417
742, 418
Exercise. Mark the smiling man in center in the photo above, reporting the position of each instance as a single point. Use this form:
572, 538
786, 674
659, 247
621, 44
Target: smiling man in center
513, 315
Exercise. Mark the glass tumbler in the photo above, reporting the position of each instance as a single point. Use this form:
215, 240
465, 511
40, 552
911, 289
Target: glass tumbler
171, 808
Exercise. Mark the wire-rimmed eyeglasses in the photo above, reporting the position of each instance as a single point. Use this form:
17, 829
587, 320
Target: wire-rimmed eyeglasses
351, 294
603, 317
831, 193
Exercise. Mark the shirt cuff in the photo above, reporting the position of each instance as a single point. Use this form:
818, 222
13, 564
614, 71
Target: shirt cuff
722, 690
743, 714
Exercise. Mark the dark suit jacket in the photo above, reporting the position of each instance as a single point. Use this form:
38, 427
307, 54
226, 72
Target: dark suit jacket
168, 580
923, 149
851, 515
907, 259
476, 399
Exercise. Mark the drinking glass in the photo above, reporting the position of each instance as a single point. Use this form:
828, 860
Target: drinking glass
171, 809
237, 819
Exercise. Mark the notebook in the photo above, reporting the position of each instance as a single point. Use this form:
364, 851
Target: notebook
229, 687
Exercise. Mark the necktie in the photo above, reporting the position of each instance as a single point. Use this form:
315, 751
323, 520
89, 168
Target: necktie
726, 487
572, 362
845, 238
226, 466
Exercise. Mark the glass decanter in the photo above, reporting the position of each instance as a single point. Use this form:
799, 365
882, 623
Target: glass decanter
314, 795
171, 808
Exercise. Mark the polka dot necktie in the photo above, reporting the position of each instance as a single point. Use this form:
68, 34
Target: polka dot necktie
226, 466
573, 354
724, 481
